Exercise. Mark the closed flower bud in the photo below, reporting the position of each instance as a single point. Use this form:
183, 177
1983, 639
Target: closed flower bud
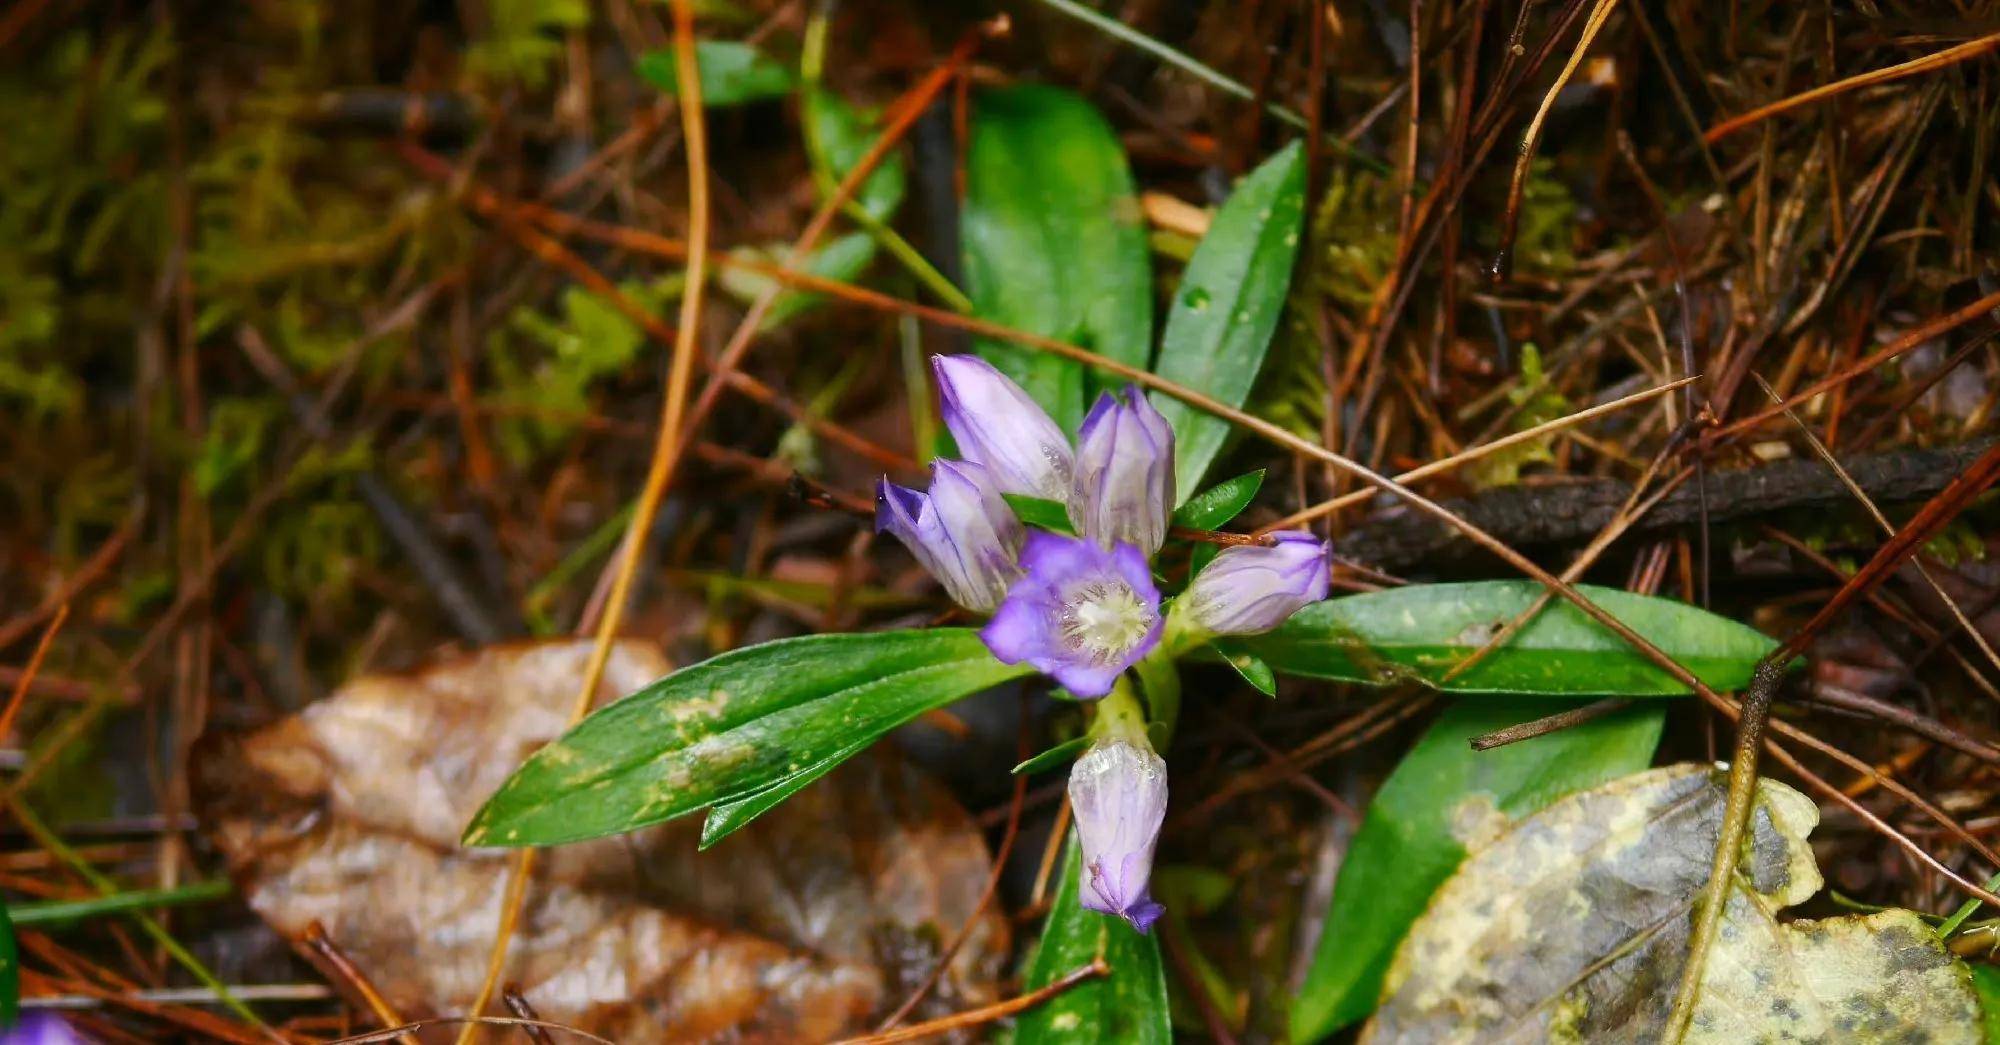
963, 532
1118, 792
998, 426
1124, 473
1252, 588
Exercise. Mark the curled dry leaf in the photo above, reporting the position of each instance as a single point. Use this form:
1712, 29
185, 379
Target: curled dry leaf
1573, 925
798, 928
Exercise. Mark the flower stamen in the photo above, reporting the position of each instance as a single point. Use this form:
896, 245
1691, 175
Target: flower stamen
1103, 618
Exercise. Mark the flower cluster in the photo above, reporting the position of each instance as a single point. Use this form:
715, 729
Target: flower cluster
1085, 608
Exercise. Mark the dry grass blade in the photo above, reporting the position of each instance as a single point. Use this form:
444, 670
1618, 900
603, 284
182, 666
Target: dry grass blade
1914, 67
1474, 453
680, 373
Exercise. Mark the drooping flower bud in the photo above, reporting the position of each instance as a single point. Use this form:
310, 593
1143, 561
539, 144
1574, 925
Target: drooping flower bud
1253, 588
963, 532
999, 426
1083, 613
1118, 792
1124, 472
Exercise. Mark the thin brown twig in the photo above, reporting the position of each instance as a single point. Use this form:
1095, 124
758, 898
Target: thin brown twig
1915, 66
34, 666
1473, 453
988, 1013
329, 952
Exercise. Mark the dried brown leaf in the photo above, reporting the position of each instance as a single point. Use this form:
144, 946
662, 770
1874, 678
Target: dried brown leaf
798, 928
1573, 926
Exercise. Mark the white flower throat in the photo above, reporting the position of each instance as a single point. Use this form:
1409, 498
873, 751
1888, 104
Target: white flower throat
1103, 619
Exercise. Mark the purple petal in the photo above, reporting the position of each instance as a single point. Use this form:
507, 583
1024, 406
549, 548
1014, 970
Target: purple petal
1252, 588
961, 530
40, 1028
1118, 792
999, 426
1081, 613
1124, 472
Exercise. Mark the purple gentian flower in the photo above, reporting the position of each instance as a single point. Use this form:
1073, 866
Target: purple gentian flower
963, 532
1118, 791
1252, 588
1124, 472
998, 425
1082, 613
40, 1028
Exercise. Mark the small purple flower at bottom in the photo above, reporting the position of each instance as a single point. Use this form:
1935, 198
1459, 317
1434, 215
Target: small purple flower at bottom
40, 1028
1118, 791
1082, 614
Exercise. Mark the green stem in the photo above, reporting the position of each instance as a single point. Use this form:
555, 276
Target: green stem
48, 839
1120, 715
812, 59
1160, 677
55, 913
1123, 33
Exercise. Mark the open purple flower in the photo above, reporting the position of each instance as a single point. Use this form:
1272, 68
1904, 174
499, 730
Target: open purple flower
961, 530
1082, 613
1118, 791
998, 425
1124, 472
1252, 588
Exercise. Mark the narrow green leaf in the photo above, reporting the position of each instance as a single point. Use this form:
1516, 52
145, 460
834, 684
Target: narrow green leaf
1423, 631
732, 73
1414, 835
728, 728
1212, 508
1040, 511
1054, 756
1986, 984
1054, 241
1254, 671
1128, 1007
1228, 306
47, 914
729, 814
10, 973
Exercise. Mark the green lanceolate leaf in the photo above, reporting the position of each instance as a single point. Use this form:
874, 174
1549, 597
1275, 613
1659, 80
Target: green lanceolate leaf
732, 73
759, 719
842, 135
1228, 305
1254, 671
1214, 507
1423, 631
1128, 1007
1986, 985
1054, 241
1414, 837
1040, 511
1061, 754
10, 972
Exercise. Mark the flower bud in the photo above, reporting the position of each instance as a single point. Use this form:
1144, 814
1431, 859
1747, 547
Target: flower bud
963, 532
1251, 588
1124, 472
998, 426
1118, 792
